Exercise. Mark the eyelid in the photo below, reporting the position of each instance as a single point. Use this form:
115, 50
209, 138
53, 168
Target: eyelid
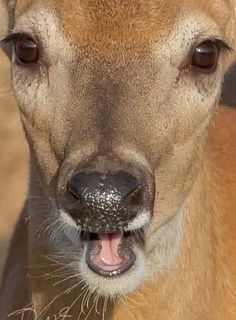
221, 44
12, 37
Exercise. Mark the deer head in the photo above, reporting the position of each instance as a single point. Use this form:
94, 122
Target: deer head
115, 100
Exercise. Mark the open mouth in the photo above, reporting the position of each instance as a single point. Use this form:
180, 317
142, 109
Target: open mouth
109, 254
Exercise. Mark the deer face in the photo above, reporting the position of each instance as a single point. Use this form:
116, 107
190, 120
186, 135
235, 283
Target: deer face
115, 100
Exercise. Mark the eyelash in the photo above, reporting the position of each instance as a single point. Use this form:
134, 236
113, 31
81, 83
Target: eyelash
13, 37
222, 46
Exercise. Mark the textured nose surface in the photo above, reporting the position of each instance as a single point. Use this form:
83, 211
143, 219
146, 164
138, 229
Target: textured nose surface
103, 197
92, 186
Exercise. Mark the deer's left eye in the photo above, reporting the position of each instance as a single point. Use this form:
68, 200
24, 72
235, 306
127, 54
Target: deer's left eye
205, 56
26, 51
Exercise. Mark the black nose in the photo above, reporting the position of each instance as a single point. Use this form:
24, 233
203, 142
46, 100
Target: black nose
91, 186
103, 197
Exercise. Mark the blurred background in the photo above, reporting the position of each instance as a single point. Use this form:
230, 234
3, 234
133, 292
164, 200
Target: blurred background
13, 160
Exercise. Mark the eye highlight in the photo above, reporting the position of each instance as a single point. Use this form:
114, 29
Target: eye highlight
26, 49
206, 55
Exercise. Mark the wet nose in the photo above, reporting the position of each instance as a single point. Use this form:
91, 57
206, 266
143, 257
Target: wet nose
91, 186
103, 195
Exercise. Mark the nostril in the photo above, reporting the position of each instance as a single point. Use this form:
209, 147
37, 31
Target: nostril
73, 187
130, 183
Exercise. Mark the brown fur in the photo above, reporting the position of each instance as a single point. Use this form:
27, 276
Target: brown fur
126, 91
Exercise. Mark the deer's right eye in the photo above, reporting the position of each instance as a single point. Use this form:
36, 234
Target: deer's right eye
26, 51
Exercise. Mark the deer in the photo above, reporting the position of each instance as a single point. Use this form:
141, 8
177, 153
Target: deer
131, 208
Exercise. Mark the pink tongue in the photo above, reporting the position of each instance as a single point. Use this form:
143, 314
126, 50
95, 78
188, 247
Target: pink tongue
110, 245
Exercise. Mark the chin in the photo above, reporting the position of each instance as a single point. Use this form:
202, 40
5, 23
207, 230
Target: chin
114, 280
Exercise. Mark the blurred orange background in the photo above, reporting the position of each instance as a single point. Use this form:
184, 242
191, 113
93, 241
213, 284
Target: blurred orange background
13, 160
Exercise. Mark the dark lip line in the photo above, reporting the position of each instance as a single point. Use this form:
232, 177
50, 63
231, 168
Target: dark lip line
115, 273
86, 235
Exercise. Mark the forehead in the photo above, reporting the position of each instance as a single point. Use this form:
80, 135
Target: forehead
132, 21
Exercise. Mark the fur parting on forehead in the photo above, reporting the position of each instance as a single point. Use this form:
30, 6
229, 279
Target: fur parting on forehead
134, 21
115, 22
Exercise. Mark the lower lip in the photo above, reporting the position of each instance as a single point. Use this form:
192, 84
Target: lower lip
102, 268
118, 270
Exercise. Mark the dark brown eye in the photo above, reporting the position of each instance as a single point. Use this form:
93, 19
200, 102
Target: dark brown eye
205, 56
26, 51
